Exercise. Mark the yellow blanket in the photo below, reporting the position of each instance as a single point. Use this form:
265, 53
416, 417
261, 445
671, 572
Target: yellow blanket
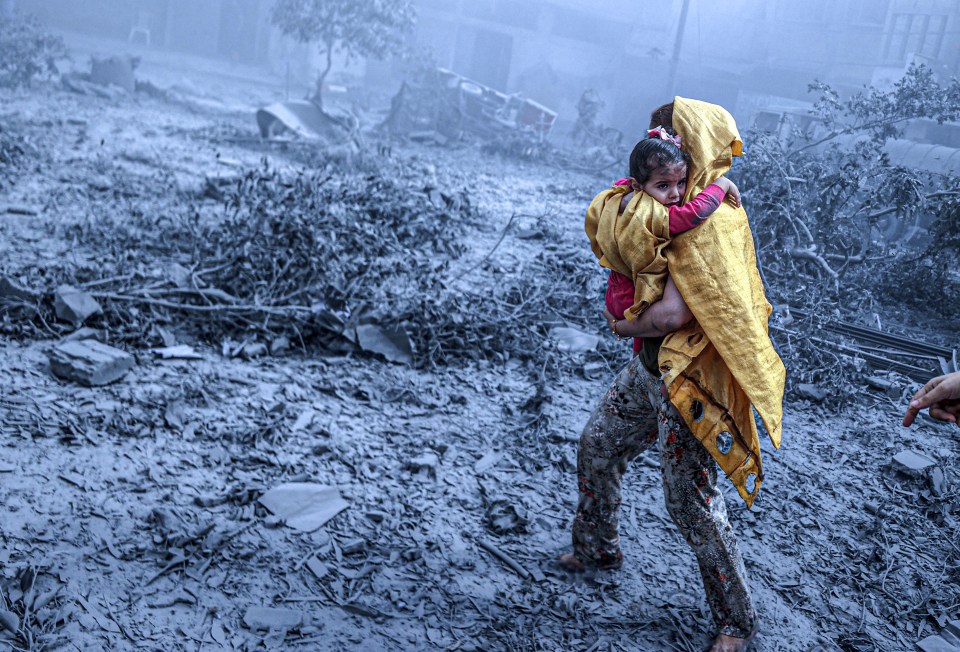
631, 242
723, 365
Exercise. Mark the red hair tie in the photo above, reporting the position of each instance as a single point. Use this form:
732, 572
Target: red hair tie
661, 133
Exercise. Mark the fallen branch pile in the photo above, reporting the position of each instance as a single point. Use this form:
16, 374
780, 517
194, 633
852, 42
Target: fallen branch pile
335, 259
14, 151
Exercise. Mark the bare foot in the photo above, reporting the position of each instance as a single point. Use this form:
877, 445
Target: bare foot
569, 562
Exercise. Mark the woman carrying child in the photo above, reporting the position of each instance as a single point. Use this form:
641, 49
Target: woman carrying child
680, 393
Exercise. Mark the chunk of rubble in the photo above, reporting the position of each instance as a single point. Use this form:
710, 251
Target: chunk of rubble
304, 506
85, 333
10, 288
89, 362
912, 462
259, 618
811, 392
74, 306
426, 462
947, 640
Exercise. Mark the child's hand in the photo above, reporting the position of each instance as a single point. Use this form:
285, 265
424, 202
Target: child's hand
731, 190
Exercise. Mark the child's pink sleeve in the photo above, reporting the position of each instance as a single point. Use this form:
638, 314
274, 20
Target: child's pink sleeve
697, 210
619, 297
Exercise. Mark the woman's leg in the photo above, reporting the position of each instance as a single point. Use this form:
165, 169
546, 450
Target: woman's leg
622, 426
696, 506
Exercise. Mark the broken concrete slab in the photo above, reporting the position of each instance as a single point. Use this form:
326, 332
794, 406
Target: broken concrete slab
573, 340
489, 459
114, 71
85, 333
948, 640
9, 621
11, 289
75, 306
179, 352
811, 392
426, 462
889, 387
89, 362
392, 343
304, 119
317, 567
260, 618
304, 506
912, 462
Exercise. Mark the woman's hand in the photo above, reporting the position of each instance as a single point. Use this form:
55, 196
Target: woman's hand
731, 190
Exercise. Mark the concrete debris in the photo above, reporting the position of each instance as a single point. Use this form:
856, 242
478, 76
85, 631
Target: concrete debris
912, 462
9, 621
74, 306
426, 462
114, 71
448, 104
179, 352
11, 289
85, 333
80, 84
948, 640
887, 386
573, 340
304, 506
280, 345
267, 618
811, 392
306, 120
89, 362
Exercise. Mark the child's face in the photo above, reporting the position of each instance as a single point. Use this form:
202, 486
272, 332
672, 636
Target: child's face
667, 184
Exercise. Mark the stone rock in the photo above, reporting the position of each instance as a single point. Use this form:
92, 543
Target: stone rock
304, 505
280, 345
259, 618
85, 333
811, 392
912, 462
74, 306
427, 461
254, 350
115, 70
89, 362
948, 640
10, 288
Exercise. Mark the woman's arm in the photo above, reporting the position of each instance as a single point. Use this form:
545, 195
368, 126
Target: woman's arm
665, 316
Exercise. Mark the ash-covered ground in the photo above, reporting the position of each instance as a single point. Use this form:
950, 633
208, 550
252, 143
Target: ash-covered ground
132, 514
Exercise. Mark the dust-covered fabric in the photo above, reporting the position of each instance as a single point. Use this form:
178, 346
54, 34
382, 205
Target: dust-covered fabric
631, 241
632, 415
722, 366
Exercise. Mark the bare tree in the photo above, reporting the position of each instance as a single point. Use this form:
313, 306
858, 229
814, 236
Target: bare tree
356, 28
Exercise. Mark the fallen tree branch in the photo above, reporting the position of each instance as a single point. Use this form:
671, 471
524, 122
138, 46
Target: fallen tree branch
272, 310
811, 255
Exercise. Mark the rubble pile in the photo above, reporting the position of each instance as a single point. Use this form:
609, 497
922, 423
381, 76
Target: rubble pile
336, 259
14, 150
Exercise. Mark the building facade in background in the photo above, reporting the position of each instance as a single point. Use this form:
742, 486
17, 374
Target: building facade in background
743, 54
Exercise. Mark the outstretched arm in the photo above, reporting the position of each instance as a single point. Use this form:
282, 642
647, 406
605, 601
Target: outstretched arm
941, 395
663, 317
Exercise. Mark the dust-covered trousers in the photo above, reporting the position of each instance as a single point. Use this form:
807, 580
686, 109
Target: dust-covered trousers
632, 415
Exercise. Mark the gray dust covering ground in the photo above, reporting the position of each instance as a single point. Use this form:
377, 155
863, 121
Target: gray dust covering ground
131, 514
